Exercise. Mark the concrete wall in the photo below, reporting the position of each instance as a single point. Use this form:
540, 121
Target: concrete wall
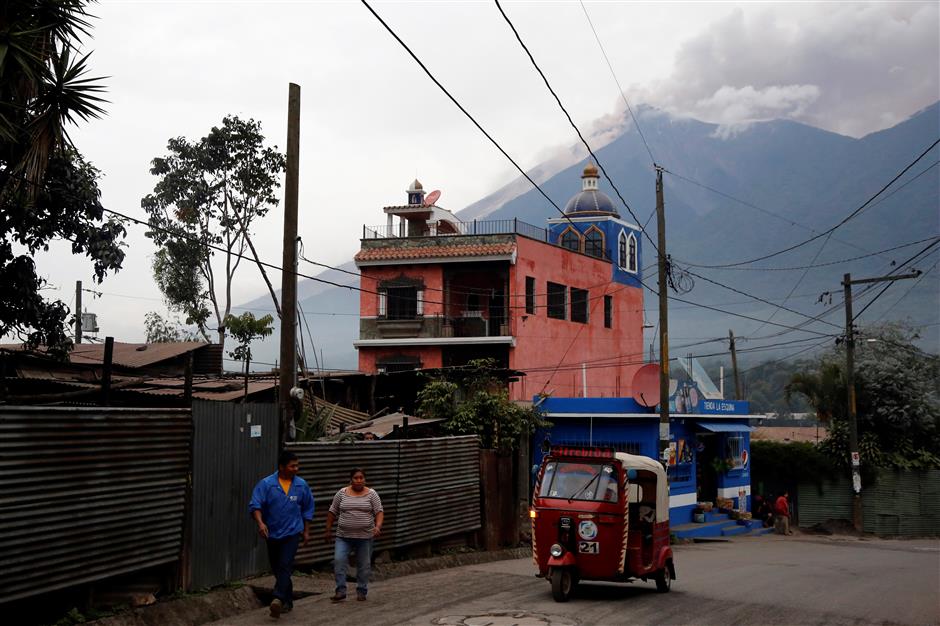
612, 355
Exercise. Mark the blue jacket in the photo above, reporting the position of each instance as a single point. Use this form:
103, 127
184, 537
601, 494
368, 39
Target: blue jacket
283, 513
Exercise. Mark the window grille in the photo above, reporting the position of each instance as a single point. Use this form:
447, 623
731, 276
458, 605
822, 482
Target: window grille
572, 240
530, 295
735, 445
594, 243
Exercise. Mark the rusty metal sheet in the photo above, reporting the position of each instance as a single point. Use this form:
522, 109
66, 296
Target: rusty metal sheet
89, 493
400, 472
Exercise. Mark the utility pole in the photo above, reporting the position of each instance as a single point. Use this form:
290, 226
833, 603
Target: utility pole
663, 318
734, 366
854, 458
289, 266
78, 311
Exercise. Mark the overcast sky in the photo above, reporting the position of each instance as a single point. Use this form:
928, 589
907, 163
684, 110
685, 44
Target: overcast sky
372, 121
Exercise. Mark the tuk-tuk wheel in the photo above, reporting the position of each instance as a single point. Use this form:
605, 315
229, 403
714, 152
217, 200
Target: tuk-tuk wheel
663, 579
562, 584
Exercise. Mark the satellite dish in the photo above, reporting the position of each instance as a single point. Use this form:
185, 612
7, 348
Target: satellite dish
432, 198
645, 385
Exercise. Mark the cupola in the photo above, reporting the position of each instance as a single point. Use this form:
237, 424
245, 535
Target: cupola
416, 194
590, 201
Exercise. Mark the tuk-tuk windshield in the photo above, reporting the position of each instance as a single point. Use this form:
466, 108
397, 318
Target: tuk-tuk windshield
573, 480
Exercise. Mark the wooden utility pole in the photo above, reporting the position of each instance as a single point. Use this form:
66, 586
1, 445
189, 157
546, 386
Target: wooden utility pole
854, 457
78, 311
734, 366
106, 371
289, 265
663, 317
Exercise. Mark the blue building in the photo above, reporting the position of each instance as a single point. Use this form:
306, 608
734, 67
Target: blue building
709, 449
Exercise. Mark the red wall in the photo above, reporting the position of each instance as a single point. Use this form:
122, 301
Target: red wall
542, 343
433, 276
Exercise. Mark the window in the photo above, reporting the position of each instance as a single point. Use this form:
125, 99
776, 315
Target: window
631, 254
401, 303
734, 446
594, 242
579, 305
580, 481
622, 251
608, 311
571, 239
557, 301
530, 295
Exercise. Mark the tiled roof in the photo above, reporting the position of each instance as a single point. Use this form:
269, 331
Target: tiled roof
433, 252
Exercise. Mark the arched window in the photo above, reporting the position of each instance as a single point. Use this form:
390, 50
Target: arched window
622, 251
594, 242
571, 239
631, 254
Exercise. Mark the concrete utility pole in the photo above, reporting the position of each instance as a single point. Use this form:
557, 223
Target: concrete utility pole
78, 311
734, 366
663, 317
847, 283
289, 265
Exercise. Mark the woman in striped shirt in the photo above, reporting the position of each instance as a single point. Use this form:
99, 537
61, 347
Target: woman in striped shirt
358, 511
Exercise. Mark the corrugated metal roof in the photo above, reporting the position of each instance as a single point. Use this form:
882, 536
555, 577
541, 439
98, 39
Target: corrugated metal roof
125, 354
382, 426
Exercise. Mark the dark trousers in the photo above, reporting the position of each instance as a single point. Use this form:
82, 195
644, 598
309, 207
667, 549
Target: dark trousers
281, 554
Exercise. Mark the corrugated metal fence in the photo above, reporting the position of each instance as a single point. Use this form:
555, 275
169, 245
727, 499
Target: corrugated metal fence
234, 446
89, 493
900, 503
430, 488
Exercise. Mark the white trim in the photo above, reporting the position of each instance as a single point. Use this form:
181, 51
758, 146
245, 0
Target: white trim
622, 258
434, 341
600, 218
682, 499
635, 257
433, 260
732, 492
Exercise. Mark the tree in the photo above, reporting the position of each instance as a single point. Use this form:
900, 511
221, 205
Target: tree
245, 329
477, 403
160, 330
48, 191
209, 194
897, 400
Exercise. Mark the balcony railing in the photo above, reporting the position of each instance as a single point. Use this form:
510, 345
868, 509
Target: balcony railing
443, 229
432, 326
476, 227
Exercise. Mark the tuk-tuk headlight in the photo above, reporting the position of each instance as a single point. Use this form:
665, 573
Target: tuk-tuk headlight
556, 550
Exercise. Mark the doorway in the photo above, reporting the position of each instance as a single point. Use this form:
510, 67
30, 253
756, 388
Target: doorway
706, 476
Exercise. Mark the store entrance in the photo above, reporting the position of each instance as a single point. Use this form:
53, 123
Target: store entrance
706, 476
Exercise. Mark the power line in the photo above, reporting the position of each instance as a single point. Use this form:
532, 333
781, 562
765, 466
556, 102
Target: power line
463, 110
573, 125
619, 88
851, 215
830, 263
885, 288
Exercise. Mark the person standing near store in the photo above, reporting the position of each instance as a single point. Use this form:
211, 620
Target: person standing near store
282, 506
357, 511
782, 515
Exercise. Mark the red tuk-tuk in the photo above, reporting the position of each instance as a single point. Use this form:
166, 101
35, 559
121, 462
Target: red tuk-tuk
600, 515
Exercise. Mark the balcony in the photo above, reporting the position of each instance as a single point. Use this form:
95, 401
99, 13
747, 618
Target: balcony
469, 324
447, 228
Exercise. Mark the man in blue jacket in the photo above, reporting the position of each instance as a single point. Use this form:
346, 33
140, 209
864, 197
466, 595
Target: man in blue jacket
282, 506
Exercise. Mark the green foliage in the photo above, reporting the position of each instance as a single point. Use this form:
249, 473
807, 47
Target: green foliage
160, 330
210, 193
47, 190
897, 400
477, 403
245, 329
791, 463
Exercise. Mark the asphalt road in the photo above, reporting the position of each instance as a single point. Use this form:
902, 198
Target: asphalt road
765, 580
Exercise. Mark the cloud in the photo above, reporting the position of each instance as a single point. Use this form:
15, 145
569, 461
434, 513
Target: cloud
846, 67
735, 108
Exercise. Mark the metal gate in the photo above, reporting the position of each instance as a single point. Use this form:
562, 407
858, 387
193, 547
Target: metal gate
234, 446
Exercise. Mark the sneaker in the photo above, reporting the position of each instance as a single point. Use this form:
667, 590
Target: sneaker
360, 596
276, 608
338, 597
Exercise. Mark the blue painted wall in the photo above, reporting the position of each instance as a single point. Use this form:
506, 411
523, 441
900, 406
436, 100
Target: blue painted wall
611, 230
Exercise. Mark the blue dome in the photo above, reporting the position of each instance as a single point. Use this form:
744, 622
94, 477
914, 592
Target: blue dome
591, 202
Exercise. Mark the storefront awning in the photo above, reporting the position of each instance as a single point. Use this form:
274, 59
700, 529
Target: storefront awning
723, 427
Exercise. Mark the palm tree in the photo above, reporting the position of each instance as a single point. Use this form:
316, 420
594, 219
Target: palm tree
43, 87
823, 389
